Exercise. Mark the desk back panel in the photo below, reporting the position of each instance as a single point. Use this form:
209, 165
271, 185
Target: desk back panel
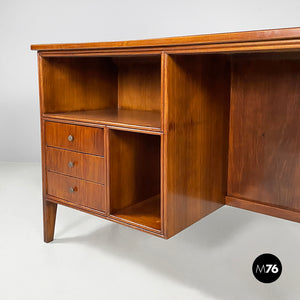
264, 143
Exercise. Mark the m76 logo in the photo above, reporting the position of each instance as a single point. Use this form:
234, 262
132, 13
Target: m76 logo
267, 268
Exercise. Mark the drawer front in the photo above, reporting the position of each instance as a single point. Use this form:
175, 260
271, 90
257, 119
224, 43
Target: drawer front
76, 164
76, 190
74, 137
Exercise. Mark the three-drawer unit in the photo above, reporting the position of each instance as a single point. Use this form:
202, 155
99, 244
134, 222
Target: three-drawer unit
75, 164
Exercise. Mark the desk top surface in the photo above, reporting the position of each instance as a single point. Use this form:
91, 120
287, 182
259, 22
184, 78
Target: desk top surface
219, 38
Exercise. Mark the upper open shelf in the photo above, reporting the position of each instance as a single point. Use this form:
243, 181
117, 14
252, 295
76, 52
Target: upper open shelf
121, 91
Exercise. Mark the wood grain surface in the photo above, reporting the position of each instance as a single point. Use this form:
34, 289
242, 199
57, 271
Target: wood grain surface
134, 170
264, 155
174, 128
85, 139
256, 35
84, 192
72, 83
84, 166
196, 145
148, 120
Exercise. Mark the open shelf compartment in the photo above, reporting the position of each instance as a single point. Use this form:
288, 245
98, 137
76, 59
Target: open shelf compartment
120, 91
134, 167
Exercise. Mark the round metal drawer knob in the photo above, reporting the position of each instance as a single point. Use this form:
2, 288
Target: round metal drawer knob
70, 138
72, 190
70, 164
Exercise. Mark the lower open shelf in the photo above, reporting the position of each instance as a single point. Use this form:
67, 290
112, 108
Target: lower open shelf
134, 172
146, 213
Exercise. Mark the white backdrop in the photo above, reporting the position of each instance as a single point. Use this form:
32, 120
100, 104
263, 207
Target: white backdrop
36, 21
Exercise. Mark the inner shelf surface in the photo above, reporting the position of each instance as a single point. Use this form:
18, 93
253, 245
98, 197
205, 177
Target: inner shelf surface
145, 213
149, 120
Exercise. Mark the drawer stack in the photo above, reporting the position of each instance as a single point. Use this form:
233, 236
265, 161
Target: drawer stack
75, 164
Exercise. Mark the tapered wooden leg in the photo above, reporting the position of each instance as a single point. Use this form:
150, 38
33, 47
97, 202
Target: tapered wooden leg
49, 220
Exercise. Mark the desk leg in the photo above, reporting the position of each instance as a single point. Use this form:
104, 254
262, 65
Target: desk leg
49, 220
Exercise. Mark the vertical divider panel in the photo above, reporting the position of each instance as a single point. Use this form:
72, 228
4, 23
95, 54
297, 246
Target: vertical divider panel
163, 161
196, 118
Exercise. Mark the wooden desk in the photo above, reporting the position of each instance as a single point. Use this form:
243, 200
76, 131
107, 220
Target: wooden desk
156, 134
